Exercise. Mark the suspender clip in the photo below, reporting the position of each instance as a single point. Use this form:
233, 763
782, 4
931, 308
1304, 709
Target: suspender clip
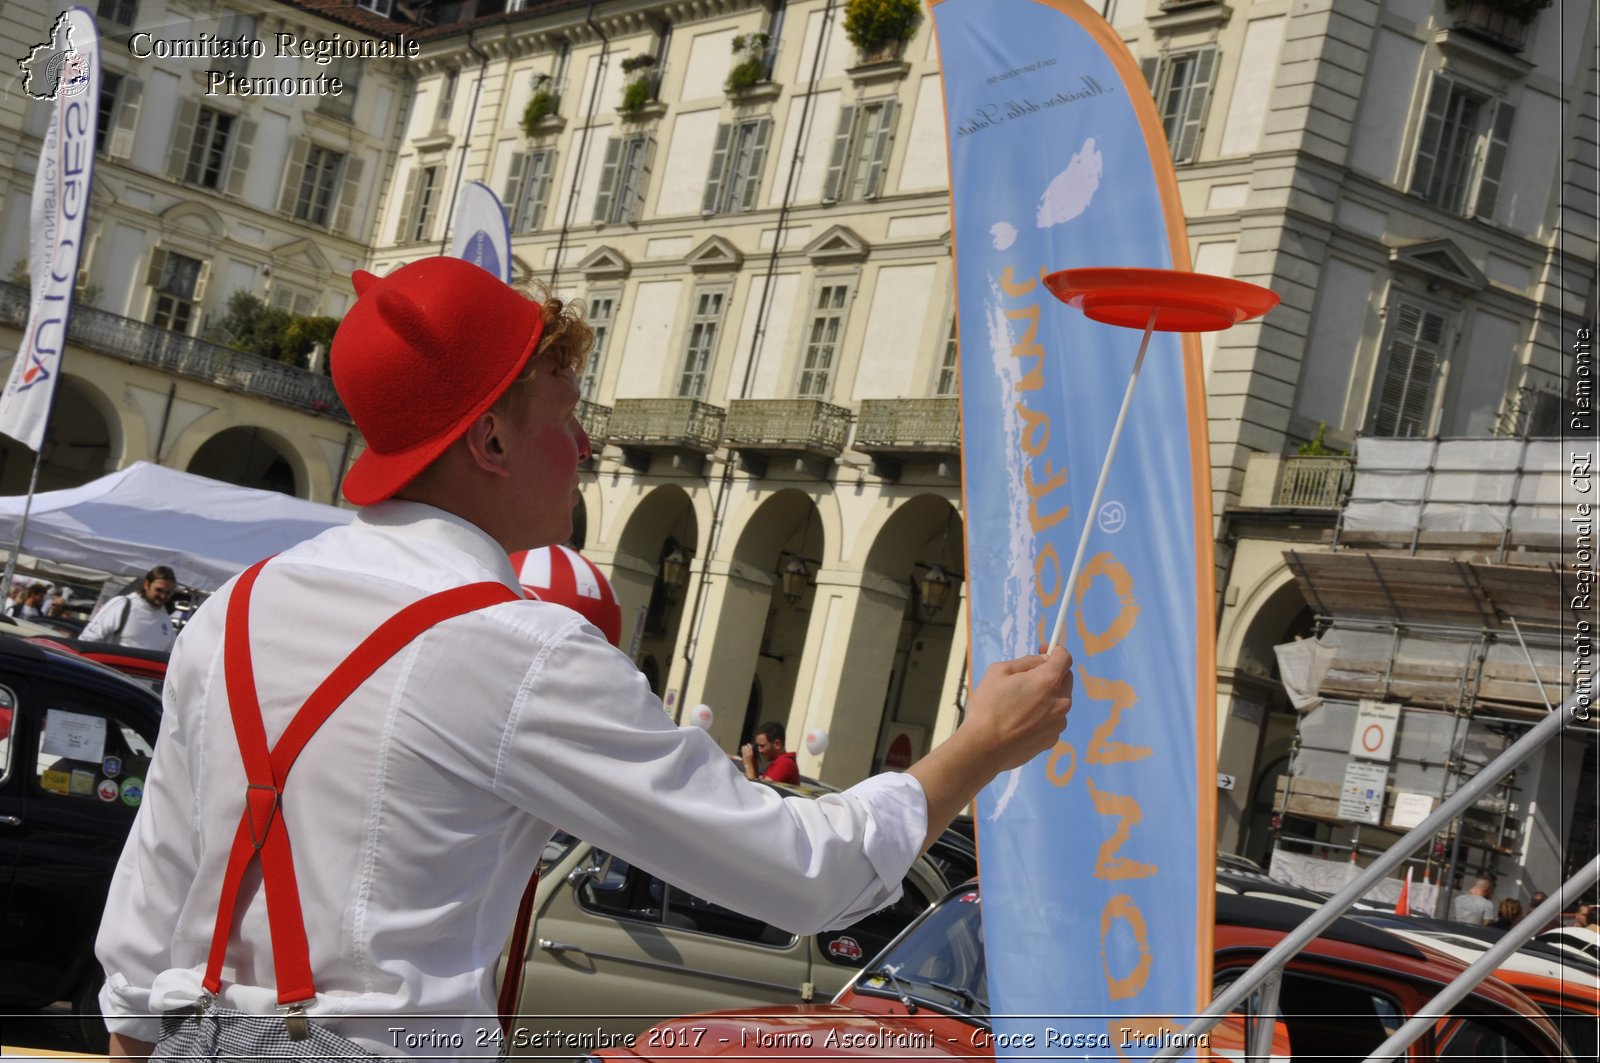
261, 802
295, 1022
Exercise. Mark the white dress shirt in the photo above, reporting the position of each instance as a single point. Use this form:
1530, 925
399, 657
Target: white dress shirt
419, 809
148, 626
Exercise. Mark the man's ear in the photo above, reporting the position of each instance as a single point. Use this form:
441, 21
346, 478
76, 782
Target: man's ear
486, 445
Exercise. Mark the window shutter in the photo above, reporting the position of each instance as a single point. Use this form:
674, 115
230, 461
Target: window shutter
182, 139
1405, 399
239, 166
1194, 115
1494, 161
292, 176
711, 202
758, 158
841, 152
541, 168
158, 264
1150, 68
121, 144
882, 140
350, 187
200, 279
408, 203
647, 158
1432, 133
513, 199
608, 180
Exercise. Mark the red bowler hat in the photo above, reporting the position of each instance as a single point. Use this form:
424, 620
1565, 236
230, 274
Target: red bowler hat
421, 354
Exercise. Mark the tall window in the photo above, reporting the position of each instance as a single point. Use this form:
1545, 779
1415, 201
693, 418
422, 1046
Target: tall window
447, 99
177, 281
420, 203
1412, 355
822, 340
949, 380
236, 25
861, 151
110, 85
736, 160
1461, 151
208, 151
528, 188
378, 7
1181, 84
602, 311
703, 328
624, 177
319, 183
122, 12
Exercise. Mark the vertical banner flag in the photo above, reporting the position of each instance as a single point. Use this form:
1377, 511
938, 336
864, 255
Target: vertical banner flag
1097, 859
66, 71
480, 233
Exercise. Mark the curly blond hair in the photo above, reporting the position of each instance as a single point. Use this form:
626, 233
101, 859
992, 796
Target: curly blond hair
566, 344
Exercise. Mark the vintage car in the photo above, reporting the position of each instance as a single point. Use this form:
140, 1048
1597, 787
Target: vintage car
926, 997
614, 948
75, 742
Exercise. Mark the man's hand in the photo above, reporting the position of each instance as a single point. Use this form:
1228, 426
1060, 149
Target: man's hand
1017, 712
748, 753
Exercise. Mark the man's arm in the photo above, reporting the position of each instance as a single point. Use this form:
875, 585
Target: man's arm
747, 754
1018, 711
129, 1049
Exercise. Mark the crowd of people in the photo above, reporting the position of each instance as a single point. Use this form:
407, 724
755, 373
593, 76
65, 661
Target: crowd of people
1477, 907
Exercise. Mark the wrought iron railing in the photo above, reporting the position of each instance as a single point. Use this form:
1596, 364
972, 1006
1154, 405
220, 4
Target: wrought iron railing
1493, 24
1314, 482
788, 424
595, 419
665, 423
186, 356
909, 424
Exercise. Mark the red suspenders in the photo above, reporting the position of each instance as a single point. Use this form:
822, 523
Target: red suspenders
261, 830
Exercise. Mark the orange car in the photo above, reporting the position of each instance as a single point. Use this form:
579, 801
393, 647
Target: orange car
926, 997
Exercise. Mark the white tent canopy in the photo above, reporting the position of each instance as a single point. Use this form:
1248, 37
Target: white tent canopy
147, 515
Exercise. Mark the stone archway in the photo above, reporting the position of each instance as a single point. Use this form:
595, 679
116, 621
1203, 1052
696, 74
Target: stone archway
662, 526
249, 456
79, 440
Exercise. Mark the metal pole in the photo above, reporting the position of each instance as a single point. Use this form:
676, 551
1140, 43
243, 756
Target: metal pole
1491, 774
22, 525
1486, 964
1100, 486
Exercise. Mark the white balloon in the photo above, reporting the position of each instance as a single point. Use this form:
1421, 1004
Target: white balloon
816, 741
700, 716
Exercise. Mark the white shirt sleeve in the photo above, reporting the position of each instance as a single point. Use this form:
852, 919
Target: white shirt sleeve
102, 626
588, 748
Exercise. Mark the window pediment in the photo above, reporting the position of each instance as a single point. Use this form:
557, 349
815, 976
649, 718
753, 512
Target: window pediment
605, 262
713, 255
1441, 261
838, 244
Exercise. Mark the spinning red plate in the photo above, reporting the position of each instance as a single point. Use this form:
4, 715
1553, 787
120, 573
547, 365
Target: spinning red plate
1182, 301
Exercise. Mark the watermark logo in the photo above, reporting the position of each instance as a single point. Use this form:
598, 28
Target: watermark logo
55, 68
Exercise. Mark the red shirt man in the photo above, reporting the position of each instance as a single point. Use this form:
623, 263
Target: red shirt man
781, 764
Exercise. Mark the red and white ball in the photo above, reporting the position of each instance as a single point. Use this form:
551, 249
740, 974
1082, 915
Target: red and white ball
562, 575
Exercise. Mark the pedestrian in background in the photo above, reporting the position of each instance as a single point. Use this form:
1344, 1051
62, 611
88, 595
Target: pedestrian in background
781, 765
1476, 906
138, 618
31, 604
1510, 914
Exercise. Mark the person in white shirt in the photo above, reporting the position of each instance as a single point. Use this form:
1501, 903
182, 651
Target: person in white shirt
138, 618
418, 809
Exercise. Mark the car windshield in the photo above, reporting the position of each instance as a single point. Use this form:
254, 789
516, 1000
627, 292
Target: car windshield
939, 962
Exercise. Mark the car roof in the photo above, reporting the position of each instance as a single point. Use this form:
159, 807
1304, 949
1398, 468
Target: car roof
43, 656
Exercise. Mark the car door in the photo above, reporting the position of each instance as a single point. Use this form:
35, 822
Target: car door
89, 757
617, 949
15, 770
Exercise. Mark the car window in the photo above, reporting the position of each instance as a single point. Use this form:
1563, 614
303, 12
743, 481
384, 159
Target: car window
862, 940
84, 754
556, 850
8, 715
1487, 1041
1328, 1020
687, 912
1580, 1031
623, 891
941, 962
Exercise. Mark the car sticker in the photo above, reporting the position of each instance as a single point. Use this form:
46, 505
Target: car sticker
132, 791
109, 791
847, 947
55, 782
82, 782
111, 767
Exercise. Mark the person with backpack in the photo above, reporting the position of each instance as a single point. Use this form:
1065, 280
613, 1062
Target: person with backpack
138, 618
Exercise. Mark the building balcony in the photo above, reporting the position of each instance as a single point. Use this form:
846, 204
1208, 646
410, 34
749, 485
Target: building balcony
596, 421
894, 431
810, 431
1492, 24
186, 356
1314, 482
687, 429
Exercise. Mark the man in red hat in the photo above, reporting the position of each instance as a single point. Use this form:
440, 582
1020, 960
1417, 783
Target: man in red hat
439, 726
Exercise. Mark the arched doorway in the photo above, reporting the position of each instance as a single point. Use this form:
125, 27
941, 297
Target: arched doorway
652, 572
248, 456
77, 443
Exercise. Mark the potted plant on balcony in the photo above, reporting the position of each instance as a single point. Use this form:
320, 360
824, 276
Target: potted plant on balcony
541, 105
880, 28
639, 91
751, 68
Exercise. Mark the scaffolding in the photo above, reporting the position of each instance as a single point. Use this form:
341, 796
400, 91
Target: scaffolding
1441, 597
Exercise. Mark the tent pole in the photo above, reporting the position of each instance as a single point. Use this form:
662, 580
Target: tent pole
22, 525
